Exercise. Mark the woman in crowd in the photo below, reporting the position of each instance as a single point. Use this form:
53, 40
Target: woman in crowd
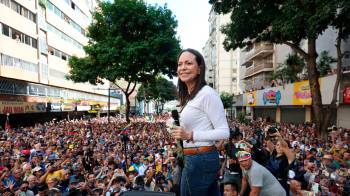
281, 158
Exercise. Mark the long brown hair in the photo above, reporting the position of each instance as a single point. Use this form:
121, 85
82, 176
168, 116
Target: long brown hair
184, 96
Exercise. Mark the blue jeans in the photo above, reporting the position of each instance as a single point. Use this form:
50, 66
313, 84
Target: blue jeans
199, 175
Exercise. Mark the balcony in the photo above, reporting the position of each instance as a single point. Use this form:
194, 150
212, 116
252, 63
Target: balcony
257, 68
260, 50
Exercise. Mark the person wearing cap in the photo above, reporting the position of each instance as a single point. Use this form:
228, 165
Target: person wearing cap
261, 181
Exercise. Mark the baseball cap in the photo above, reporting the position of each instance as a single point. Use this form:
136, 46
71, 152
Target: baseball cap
243, 155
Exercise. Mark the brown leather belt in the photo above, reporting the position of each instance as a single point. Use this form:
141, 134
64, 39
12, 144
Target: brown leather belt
198, 150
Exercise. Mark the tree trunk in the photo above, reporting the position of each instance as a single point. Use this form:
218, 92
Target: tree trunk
313, 77
333, 106
127, 108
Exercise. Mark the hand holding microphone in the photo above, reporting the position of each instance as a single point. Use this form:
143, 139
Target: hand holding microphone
178, 132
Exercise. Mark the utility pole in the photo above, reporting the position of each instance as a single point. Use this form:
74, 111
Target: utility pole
109, 104
109, 100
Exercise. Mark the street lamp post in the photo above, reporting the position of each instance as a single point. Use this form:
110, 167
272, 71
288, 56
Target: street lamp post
109, 100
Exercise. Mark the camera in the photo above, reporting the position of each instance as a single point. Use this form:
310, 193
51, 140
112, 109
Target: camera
272, 130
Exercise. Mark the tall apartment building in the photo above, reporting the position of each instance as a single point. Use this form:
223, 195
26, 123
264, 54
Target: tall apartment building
263, 58
36, 41
259, 62
222, 66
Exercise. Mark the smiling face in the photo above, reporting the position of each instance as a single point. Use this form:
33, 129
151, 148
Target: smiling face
188, 69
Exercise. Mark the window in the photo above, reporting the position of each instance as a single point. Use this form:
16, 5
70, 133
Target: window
49, 6
68, 2
6, 30
16, 35
34, 43
58, 12
7, 60
25, 12
16, 7
57, 53
73, 6
31, 16
64, 56
27, 40
5, 2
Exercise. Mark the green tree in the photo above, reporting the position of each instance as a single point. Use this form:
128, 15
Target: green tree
227, 99
289, 70
160, 91
130, 41
341, 23
324, 63
283, 22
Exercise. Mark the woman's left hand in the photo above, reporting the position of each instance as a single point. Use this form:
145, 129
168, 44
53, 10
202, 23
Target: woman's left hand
180, 133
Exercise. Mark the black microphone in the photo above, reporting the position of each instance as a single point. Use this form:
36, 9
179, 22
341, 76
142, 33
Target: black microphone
179, 142
175, 116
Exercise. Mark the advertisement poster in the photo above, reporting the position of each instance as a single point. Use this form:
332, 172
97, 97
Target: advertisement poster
302, 93
346, 95
13, 107
251, 99
272, 97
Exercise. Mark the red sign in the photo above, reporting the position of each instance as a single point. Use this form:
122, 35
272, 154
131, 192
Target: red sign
346, 95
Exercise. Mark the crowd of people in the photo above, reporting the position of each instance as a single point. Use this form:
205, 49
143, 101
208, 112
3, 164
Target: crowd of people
301, 163
88, 157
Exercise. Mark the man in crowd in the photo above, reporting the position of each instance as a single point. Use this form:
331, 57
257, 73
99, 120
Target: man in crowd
230, 189
260, 180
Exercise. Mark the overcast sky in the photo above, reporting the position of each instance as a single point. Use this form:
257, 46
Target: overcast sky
192, 17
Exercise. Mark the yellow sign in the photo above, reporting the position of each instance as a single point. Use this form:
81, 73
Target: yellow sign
302, 93
251, 99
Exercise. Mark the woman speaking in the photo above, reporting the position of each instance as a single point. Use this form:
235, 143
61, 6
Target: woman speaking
203, 123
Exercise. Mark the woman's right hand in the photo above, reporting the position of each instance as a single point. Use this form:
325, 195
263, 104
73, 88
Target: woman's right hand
180, 133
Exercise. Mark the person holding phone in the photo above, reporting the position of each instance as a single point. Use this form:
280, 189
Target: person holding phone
281, 157
203, 122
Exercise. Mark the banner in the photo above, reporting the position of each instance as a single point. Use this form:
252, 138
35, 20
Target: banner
251, 99
346, 95
272, 97
12, 107
302, 93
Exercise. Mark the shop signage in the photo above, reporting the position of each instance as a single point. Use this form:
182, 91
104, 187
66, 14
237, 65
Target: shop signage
83, 108
251, 98
346, 95
21, 107
95, 108
55, 107
302, 93
67, 107
272, 97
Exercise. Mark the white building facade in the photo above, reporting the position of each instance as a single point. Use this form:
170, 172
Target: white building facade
222, 66
37, 38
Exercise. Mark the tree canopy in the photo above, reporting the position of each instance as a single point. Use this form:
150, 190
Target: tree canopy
227, 99
287, 22
130, 41
160, 91
289, 70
